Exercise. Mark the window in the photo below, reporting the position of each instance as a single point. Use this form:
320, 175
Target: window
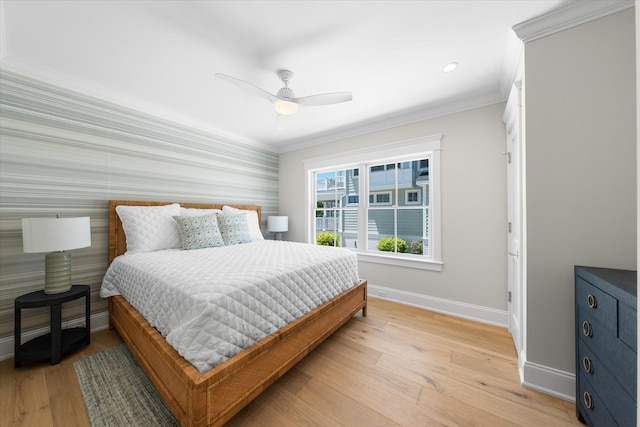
412, 197
336, 207
399, 221
394, 227
380, 198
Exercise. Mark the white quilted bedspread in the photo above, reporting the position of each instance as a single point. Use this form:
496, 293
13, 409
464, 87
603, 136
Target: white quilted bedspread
211, 304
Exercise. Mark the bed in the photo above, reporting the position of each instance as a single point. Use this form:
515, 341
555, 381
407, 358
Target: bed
215, 396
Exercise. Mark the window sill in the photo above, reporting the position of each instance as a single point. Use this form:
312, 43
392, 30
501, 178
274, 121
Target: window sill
400, 261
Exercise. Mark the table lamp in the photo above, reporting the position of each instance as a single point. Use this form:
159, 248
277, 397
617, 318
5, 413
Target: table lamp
278, 225
56, 235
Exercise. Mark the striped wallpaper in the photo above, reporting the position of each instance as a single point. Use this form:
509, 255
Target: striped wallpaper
65, 153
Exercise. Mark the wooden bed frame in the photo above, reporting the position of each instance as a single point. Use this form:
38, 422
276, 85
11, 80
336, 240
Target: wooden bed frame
213, 398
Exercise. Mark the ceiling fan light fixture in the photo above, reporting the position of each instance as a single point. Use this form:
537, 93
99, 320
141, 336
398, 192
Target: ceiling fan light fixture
285, 108
450, 67
285, 101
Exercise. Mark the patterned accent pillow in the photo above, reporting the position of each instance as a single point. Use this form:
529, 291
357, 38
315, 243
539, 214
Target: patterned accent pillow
234, 229
252, 221
199, 231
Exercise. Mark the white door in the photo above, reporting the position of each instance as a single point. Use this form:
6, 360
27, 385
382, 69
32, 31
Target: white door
512, 118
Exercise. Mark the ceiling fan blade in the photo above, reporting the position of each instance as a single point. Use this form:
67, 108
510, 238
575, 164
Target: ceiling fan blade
248, 86
323, 99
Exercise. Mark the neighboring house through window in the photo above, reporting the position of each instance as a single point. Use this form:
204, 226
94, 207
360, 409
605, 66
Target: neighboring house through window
412, 197
400, 222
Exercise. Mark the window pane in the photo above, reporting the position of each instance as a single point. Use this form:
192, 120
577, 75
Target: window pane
381, 225
351, 190
340, 180
349, 229
325, 220
411, 229
409, 185
334, 191
422, 179
324, 181
381, 179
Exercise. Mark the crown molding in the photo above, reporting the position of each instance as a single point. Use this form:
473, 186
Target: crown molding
382, 123
571, 15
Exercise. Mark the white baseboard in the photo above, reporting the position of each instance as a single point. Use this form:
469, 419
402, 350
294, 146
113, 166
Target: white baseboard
99, 321
477, 313
550, 381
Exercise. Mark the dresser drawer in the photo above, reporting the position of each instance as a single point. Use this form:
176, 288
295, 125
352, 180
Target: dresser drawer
627, 326
619, 359
606, 346
591, 406
620, 404
602, 305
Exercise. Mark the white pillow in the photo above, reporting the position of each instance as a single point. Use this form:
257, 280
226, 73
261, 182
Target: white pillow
150, 228
198, 211
252, 221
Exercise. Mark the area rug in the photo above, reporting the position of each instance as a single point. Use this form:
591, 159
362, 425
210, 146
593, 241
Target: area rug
117, 392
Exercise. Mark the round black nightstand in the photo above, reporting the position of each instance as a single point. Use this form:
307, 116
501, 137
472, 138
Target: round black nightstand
59, 341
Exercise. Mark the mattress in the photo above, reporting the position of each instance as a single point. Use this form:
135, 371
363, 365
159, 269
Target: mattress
210, 304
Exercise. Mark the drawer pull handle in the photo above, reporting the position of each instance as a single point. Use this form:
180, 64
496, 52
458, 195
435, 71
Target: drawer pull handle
588, 400
587, 365
586, 329
591, 301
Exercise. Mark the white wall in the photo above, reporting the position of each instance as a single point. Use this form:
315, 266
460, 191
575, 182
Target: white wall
581, 171
473, 206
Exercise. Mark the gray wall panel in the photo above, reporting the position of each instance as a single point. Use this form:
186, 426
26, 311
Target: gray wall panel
65, 153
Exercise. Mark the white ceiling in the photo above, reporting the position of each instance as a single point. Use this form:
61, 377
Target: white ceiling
161, 57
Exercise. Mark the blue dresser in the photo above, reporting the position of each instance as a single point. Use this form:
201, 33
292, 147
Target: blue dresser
606, 346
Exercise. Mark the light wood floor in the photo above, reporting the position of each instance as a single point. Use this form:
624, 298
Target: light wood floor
399, 366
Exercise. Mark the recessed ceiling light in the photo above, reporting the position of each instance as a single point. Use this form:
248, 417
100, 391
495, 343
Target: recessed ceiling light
450, 67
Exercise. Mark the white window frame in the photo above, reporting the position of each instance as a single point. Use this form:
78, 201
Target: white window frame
424, 147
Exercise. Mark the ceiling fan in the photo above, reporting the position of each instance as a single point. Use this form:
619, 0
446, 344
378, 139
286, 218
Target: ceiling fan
284, 101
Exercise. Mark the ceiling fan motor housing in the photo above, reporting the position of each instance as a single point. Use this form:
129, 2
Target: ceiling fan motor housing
285, 92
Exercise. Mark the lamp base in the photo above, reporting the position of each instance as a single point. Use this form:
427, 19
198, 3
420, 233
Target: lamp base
57, 272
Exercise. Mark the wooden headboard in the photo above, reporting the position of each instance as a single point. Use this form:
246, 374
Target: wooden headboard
117, 238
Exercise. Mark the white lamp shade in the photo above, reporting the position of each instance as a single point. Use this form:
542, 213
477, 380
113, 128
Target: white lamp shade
278, 224
55, 234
